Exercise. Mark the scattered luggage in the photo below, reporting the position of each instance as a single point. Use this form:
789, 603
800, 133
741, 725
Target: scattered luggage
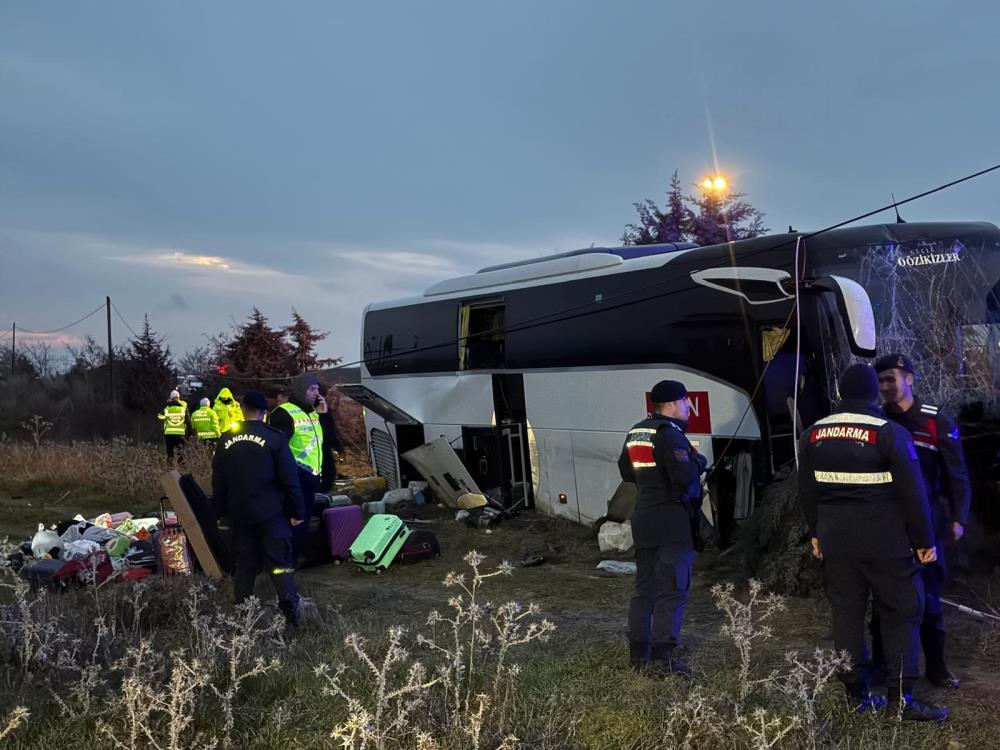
420, 545
343, 524
172, 557
379, 542
53, 574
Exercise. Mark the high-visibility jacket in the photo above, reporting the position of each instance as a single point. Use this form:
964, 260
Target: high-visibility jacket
174, 418
230, 415
306, 442
206, 423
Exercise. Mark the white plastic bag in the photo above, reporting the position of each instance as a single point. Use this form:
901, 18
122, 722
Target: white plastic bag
44, 541
395, 496
615, 537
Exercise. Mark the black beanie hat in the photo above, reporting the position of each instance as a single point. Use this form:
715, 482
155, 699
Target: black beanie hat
666, 391
255, 400
859, 383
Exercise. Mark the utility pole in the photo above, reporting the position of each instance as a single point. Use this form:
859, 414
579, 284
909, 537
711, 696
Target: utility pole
13, 347
111, 357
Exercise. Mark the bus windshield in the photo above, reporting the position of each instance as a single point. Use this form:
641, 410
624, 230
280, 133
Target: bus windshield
936, 298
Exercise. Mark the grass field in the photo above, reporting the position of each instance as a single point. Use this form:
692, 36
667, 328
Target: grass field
571, 691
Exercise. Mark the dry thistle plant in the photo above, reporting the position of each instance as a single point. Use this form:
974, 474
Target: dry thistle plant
745, 625
14, 721
479, 635
693, 722
766, 730
806, 679
37, 427
238, 641
400, 687
473, 676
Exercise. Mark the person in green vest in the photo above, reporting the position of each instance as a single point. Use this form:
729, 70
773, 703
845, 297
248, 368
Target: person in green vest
228, 410
298, 418
205, 423
174, 418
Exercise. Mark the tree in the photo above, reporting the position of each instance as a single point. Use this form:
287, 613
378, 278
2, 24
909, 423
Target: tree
23, 367
258, 351
724, 217
670, 225
147, 372
708, 219
304, 339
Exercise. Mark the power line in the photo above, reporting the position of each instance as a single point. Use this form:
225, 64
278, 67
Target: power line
122, 319
68, 325
599, 307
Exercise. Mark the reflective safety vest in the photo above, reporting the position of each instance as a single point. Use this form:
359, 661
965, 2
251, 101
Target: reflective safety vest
307, 441
173, 419
205, 423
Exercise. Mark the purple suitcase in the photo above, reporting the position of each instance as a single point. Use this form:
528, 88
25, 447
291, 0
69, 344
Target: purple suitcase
343, 524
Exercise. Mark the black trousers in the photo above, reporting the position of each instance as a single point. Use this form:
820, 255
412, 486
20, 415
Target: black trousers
895, 587
309, 483
264, 546
932, 633
175, 444
662, 583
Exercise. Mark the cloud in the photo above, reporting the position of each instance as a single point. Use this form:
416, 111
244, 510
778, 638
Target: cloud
400, 261
175, 302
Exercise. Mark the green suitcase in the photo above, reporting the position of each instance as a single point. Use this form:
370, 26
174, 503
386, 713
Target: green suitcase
379, 542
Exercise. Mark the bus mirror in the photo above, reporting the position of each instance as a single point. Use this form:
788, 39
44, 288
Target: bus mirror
855, 310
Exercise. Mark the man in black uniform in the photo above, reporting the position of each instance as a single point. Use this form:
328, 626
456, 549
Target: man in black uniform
949, 493
865, 503
658, 458
255, 484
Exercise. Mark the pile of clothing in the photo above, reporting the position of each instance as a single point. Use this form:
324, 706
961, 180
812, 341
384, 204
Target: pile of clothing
111, 547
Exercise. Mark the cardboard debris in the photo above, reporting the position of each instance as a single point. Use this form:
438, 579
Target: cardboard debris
471, 500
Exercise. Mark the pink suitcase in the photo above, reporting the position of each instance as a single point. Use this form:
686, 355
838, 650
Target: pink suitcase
343, 524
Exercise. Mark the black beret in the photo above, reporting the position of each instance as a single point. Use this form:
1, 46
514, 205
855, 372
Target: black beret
255, 400
666, 391
894, 361
859, 382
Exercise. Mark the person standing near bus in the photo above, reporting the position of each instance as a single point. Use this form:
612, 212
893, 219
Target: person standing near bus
866, 506
299, 419
666, 470
939, 448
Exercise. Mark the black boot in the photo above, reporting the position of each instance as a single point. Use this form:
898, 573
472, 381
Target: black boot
292, 609
668, 661
913, 709
638, 656
938, 673
861, 701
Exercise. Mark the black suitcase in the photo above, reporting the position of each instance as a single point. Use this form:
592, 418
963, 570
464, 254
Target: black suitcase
420, 545
219, 542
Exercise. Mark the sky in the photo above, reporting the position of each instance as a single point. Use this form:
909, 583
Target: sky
193, 160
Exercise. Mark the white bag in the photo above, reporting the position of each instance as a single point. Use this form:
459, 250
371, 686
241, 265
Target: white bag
44, 541
615, 537
619, 567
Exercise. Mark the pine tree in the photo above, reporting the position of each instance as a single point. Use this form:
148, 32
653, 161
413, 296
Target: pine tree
669, 225
147, 370
707, 220
303, 341
259, 351
724, 217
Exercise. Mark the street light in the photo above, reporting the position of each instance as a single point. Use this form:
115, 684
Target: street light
717, 184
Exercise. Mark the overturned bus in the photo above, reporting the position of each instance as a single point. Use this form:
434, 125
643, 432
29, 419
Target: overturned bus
534, 371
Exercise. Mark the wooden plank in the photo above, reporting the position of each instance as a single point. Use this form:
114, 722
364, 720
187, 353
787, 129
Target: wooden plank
171, 484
